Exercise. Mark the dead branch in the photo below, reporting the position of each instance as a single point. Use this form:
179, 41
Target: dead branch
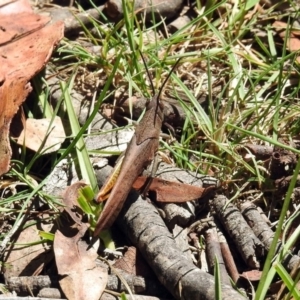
213, 253
142, 224
265, 233
161, 9
249, 246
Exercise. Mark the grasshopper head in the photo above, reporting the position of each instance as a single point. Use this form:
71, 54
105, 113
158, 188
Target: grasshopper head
156, 105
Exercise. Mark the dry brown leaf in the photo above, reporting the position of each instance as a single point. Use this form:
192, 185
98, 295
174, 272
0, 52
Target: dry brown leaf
293, 41
81, 277
25, 261
39, 135
26, 45
133, 263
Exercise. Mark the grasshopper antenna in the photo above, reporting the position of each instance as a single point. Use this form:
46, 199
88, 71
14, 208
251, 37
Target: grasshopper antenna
151, 82
164, 83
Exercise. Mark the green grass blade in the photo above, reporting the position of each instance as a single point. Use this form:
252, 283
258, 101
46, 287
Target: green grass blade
86, 168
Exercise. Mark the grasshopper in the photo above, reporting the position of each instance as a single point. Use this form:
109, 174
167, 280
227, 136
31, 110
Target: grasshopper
138, 155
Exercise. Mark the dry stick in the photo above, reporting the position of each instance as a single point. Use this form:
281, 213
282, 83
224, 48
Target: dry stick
107, 296
143, 225
249, 246
213, 252
260, 228
181, 21
28, 298
161, 8
73, 22
181, 240
265, 233
138, 284
261, 152
227, 257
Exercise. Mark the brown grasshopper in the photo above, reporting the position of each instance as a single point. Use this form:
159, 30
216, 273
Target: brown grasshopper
139, 153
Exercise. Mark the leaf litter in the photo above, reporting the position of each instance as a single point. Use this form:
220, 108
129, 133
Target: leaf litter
75, 260
25, 48
75, 263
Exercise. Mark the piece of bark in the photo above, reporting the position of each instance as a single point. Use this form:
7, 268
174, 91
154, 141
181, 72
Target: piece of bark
143, 225
178, 214
171, 191
248, 245
265, 233
213, 253
160, 8
166, 191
